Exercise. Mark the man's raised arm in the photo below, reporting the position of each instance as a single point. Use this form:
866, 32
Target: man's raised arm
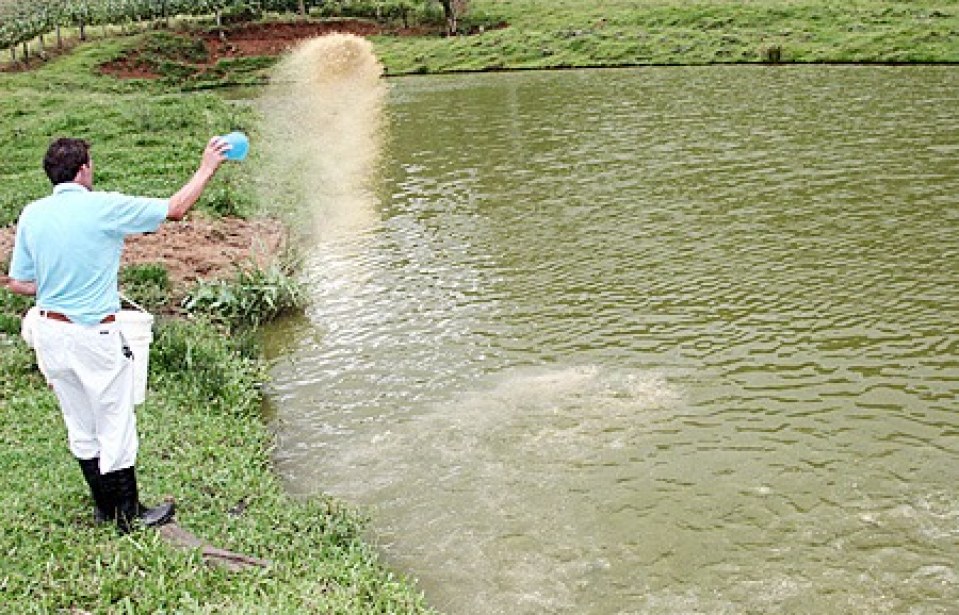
189, 194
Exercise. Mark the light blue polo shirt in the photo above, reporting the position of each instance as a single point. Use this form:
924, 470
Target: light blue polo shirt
70, 242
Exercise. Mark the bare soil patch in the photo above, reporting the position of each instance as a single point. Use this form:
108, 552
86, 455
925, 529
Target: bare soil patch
259, 39
197, 248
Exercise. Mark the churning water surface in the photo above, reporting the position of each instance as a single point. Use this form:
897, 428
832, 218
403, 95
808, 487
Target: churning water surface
665, 340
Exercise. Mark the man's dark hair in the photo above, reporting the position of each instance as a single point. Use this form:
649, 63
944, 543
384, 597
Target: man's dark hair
64, 159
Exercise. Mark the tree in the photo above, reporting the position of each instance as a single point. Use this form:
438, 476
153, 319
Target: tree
453, 10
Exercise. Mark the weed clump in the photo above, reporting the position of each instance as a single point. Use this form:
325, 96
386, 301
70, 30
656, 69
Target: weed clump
251, 298
147, 284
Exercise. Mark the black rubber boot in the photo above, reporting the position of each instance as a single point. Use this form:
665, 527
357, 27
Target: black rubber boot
122, 487
101, 504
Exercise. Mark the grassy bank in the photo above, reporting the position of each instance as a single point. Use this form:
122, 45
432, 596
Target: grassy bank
204, 442
146, 138
543, 34
203, 439
572, 33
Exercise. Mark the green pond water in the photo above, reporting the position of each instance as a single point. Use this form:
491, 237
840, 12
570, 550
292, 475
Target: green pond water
663, 340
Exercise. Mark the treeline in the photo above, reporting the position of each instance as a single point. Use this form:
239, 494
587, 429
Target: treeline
23, 21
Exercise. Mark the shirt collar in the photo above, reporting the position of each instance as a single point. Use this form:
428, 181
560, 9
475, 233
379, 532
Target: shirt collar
69, 187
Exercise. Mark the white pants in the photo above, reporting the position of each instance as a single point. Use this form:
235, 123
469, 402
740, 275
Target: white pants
94, 383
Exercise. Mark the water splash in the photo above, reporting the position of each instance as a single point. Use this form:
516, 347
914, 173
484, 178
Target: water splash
487, 486
322, 133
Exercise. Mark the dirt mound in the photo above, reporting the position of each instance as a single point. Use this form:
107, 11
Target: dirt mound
260, 39
207, 248
196, 248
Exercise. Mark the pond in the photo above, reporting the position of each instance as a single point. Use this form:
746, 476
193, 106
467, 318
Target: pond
656, 340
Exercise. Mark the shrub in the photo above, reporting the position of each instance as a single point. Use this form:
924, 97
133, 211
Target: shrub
254, 296
242, 12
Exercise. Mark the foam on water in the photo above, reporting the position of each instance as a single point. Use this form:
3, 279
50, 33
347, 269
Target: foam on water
487, 486
322, 133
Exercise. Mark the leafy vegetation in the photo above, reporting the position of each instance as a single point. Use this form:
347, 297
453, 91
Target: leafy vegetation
181, 61
254, 296
12, 307
522, 34
570, 32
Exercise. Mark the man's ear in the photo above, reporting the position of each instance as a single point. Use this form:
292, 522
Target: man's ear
85, 175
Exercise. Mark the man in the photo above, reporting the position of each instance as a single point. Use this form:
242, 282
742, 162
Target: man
67, 253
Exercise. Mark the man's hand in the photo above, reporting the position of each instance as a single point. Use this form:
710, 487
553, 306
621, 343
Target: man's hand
214, 154
17, 286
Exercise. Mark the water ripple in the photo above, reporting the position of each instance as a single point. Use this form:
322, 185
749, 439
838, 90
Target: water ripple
649, 341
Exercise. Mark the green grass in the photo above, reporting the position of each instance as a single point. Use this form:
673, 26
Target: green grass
582, 33
180, 60
578, 33
147, 137
147, 284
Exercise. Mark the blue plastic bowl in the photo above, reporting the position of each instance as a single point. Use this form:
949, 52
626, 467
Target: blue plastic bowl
239, 145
